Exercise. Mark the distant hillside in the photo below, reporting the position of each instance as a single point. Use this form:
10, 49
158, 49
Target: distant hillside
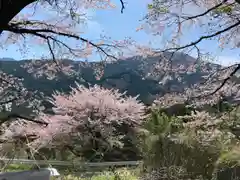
126, 75
7, 59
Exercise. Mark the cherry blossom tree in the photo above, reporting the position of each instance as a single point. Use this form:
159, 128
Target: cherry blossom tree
218, 20
13, 95
85, 116
56, 25
57, 29
8, 15
64, 19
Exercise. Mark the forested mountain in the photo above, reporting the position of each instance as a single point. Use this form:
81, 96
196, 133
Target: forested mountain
131, 74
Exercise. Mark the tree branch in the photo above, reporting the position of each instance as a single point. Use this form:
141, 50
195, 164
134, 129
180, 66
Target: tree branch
204, 37
10, 116
42, 34
8, 101
206, 12
9, 9
226, 79
123, 6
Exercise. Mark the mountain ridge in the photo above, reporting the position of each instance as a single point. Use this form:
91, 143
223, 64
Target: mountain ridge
129, 75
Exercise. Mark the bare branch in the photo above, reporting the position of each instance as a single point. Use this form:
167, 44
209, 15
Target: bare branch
206, 12
9, 9
8, 101
123, 6
10, 116
41, 33
226, 79
205, 37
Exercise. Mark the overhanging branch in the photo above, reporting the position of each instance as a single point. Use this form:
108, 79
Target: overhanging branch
46, 34
10, 8
204, 38
207, 11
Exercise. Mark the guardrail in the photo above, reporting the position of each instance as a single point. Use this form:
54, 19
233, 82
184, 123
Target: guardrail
68, 163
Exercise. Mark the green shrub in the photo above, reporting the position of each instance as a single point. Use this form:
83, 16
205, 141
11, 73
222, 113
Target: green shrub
16, 167
170, 144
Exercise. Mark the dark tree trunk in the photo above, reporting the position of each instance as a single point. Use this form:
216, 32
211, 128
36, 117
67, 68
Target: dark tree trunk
9, 9
28, 153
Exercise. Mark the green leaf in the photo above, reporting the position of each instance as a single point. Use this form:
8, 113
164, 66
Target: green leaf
150, 6
223, 9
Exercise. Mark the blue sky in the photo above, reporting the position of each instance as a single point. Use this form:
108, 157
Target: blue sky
118, 26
